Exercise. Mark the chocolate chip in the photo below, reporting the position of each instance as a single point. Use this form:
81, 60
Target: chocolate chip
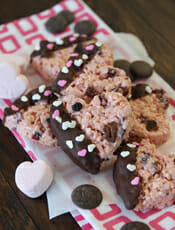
91, 92
140, 70
111, 73
56, 24
110, 131
85, 27
103, 99
151, 125
86, 196
135, 225
138, 91
106, 159
77, 106
36, 136
145, 158
48, 120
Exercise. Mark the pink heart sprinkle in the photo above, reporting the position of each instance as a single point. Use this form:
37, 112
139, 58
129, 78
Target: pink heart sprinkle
62, 83
14, 108
56, 114
135, 143
82, 153
135, 181
90, 47
47, 93
72, 39
69, 63
74, 55
50, 46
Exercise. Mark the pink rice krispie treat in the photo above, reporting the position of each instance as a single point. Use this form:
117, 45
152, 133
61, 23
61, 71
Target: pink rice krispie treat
86, 75
90, 133
50, 57
30, 116
149, 114
144, 178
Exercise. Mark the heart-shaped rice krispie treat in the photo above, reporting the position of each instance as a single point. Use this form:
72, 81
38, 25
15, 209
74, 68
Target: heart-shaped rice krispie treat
90, 133
149, 114
86, 75
144, 178
49, 57
29, 115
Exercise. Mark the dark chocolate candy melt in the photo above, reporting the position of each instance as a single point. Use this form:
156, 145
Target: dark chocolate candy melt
123, 178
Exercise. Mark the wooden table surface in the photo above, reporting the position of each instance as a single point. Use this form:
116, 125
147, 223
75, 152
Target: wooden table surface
153, 22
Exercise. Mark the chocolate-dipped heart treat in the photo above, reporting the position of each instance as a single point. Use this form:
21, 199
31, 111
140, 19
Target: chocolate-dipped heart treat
30, 115
90, 133
49, 57
149, 114
86, 75
144, 178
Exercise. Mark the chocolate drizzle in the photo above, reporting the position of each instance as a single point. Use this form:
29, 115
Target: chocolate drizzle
75, 64
90, 161
33, 97
123, 177
45, 51
138, 91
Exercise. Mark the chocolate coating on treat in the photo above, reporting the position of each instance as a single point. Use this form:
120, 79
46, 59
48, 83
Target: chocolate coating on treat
87, 196
140, 70
66, 75
160, 95
85, 27
33, 97
46, 51
123, 177
67, 134
135, 225
139, 90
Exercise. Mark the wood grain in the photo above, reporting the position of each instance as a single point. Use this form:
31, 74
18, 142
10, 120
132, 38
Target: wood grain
153, 22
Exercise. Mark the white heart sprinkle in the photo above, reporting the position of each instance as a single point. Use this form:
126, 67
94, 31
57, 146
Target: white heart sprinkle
131, 167
59, 41
80, 138
148, 89
57, 103
41, 88
98, 44
85, 56
69, 144
59, 119
37, 46
65, 70
36, 97
65, 125
72, 124
91, 147
24, 99
125, 153
78, 62
131, 145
